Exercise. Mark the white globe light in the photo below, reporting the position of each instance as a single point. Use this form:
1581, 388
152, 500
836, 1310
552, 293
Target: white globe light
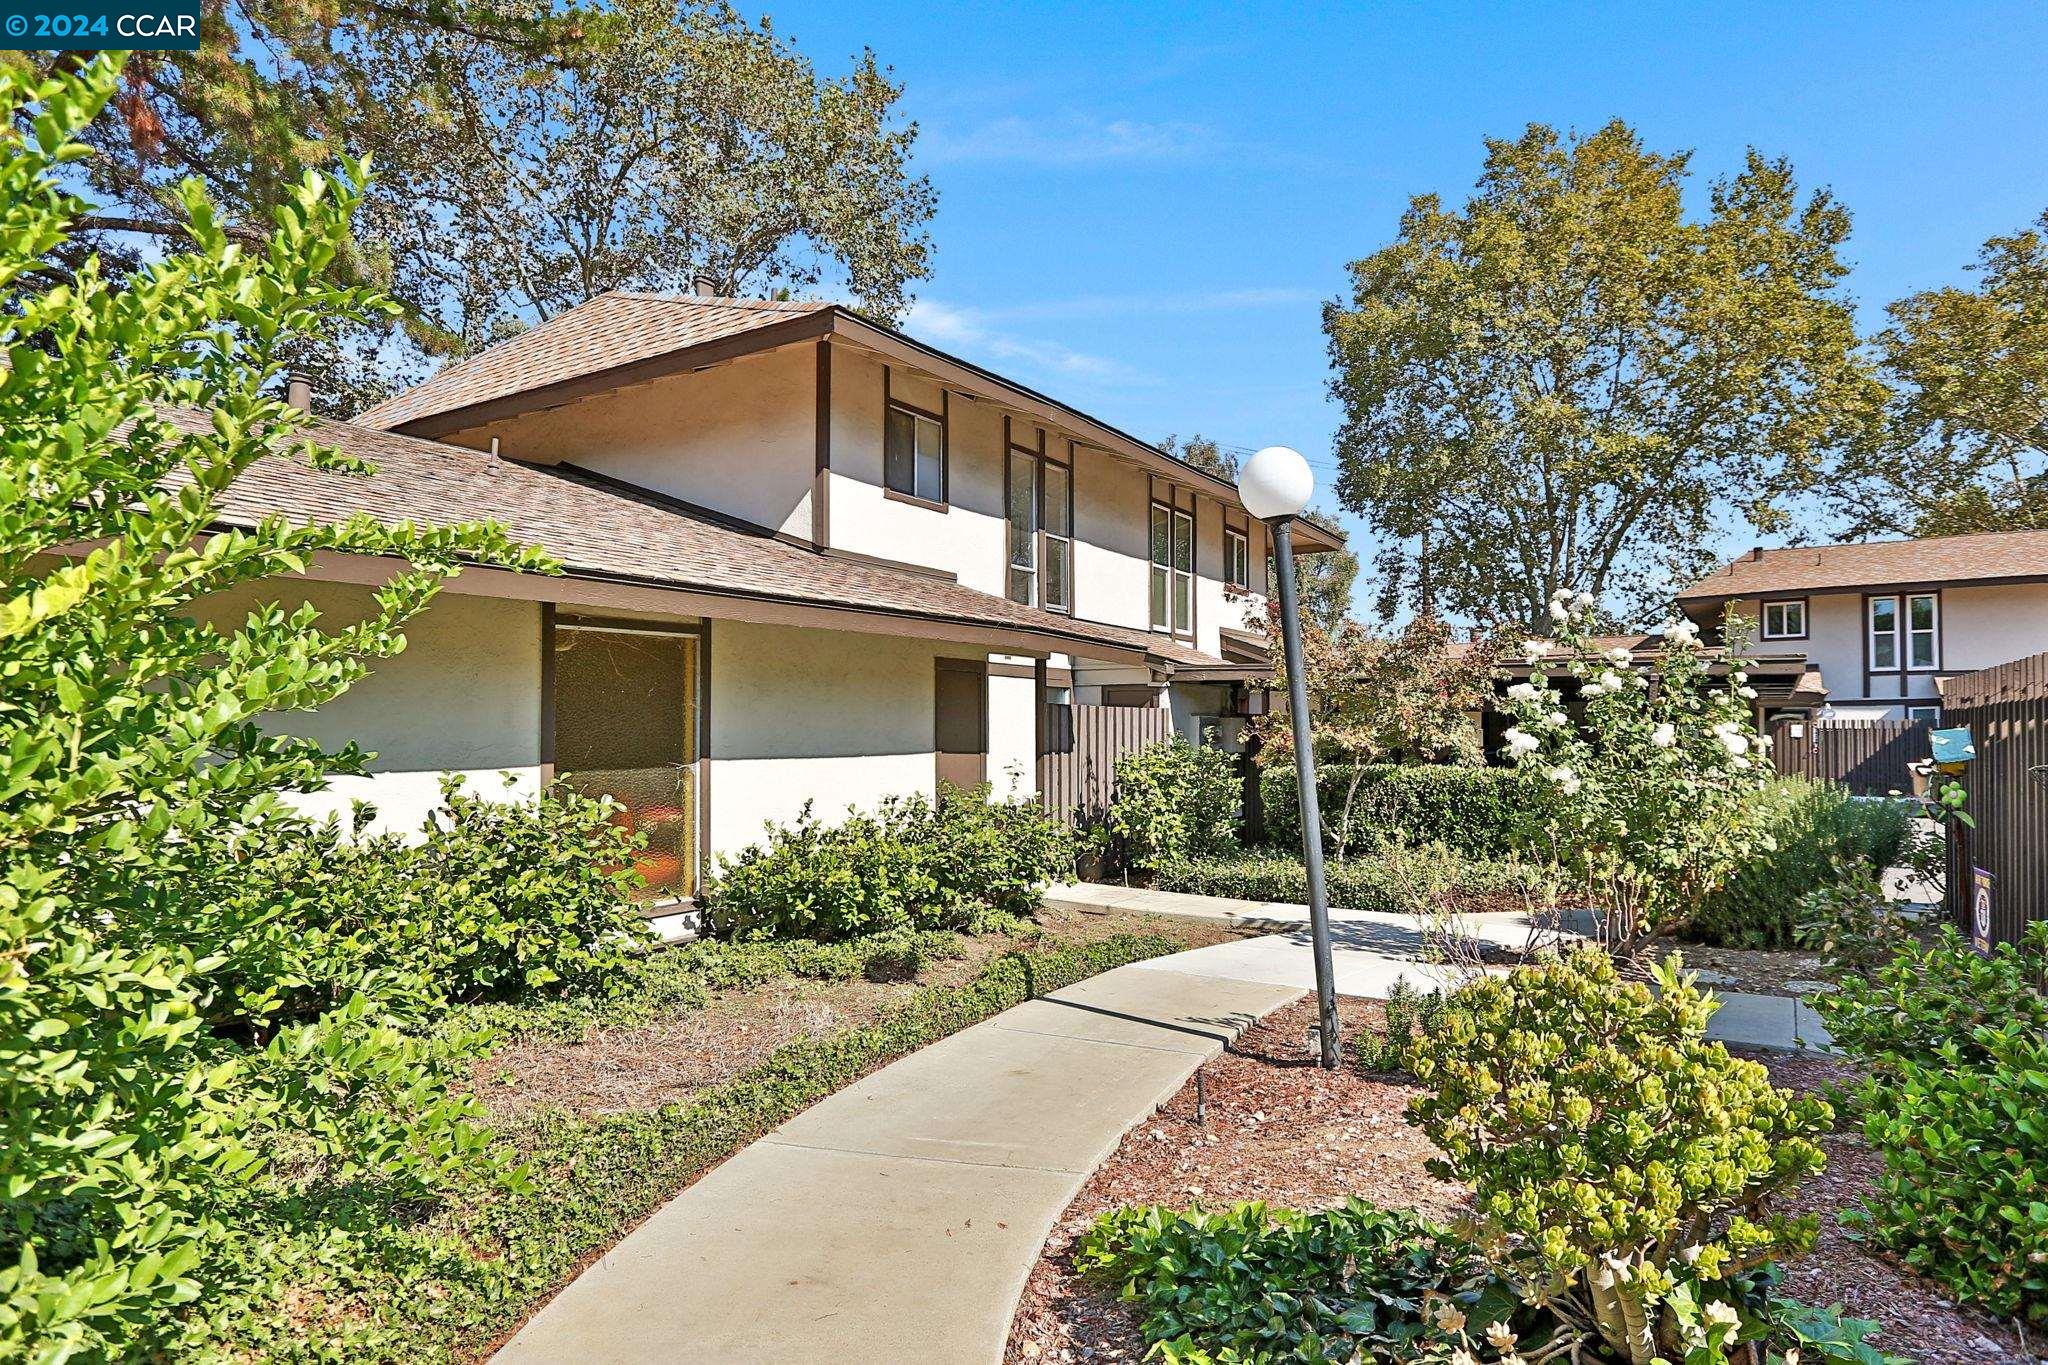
1275, 483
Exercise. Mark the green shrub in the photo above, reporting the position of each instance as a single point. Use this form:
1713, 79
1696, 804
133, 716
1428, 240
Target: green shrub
1850, 921
910, 864
1817, 837
1927, 998
1964, 1194
1174, 800
1614, 1155
394, 1289
1470, 809
1259, 1284
1410, 1014
1394, 880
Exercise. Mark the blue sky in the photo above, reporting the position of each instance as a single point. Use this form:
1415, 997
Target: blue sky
1141, 207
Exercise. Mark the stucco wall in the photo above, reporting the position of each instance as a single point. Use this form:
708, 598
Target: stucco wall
740, 438
463, 697
1993, 624
1112, 527
1012, 737
829, 717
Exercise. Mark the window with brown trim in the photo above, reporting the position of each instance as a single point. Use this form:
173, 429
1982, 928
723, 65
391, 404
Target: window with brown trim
914, 452
1237, 558
1057, 496
1884, 634
1785, 620
1039, 501
1923, 631
1173, 569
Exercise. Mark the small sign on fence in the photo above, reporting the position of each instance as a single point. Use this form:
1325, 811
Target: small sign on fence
1980, 910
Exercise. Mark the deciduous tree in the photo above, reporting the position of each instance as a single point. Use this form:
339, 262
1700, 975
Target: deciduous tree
1565, 382
1966, 444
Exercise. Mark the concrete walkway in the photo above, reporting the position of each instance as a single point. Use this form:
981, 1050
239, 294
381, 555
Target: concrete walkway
1372, 950
898, 1219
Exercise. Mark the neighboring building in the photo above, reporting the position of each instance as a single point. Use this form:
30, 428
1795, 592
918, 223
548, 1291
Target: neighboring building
1881, 624
808, 559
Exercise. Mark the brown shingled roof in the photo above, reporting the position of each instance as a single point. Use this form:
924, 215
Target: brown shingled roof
1878, 563
601, 533
615, 328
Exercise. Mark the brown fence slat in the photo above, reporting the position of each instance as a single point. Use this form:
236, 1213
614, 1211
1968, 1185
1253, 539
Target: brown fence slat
1869, 757
1083, 743
2006, 711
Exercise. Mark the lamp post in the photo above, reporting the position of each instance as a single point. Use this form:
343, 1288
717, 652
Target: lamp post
1275, 485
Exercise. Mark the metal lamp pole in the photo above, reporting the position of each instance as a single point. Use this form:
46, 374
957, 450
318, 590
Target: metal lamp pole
1275, 485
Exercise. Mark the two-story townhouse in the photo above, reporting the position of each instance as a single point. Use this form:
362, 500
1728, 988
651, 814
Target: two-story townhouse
1881, 623
807, 559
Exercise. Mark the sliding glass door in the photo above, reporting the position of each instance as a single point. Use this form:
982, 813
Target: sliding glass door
627, 707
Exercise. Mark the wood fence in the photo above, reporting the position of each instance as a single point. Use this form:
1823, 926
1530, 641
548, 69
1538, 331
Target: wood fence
2006, 711
1082, 744
1869, 757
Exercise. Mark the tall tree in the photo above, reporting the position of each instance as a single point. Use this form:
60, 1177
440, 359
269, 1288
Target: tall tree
683, 144
1966, 444
1566, 382
528, 158
1203, 454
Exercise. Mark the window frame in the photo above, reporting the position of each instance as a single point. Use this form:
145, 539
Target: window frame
1933, 631
1871, 635
1176, 576
1934, 708
1035, 459
943, 419
1805, 619
1047, 538
1237, 556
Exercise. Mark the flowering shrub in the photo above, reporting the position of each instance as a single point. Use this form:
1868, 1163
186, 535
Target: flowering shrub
1645, 795
1619, 1162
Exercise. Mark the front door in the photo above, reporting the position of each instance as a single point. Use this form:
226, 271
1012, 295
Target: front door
960, 722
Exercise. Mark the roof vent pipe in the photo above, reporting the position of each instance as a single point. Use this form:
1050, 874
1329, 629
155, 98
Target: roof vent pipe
298, 390
1756, 552
703, 286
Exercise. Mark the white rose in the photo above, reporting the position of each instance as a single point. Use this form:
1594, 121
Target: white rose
1681, 631
1567, 781
1609, 680
1591, 690
1722, 1315
1746, 693
1734, 743
1535, 649
1557, 718
1584, 601
1665, 735
1522, 692
1558, 613
1738, 763
1618, 654
1520, 741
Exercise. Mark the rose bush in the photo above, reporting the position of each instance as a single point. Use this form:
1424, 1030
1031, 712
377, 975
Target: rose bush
1642, 785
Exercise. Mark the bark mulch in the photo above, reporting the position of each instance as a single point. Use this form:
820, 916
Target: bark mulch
647, 1066
1277, 1128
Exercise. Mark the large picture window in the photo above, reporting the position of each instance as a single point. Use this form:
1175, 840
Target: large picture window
1173, 569
627, 705
914, 453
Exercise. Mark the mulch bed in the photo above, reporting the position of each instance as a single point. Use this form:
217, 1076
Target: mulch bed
1276, 1127
646, 1066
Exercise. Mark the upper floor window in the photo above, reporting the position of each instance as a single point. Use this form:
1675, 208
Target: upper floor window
1923, 620
1039, 505
1884, 633
1237, 558
1173, 569
1785, 620
914, 452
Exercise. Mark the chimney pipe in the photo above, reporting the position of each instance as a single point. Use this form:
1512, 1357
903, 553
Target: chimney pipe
298, 391
703, 286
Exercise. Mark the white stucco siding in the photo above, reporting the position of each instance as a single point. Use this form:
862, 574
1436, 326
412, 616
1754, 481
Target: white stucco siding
739, 438
463, 697
829, 717
1112, 559
967, 539
1013, 735
1992, 624
1191, 702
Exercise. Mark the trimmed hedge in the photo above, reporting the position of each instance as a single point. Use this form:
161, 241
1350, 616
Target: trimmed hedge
1470, 809
1394, 879
1820, 834
441, 1291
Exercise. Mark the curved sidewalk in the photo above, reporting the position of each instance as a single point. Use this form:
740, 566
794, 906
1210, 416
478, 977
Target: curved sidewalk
898, 1219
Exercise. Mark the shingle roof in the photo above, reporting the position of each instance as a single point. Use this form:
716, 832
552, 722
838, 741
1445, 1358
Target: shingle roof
599, 532
612, 329
1878, 563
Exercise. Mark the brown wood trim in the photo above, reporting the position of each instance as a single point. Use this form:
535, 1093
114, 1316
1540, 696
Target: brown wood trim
703, 760
891, 495
547, 693
802, 327
1242, 534
1038, 694
1030, 670
574, 620
821, 484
